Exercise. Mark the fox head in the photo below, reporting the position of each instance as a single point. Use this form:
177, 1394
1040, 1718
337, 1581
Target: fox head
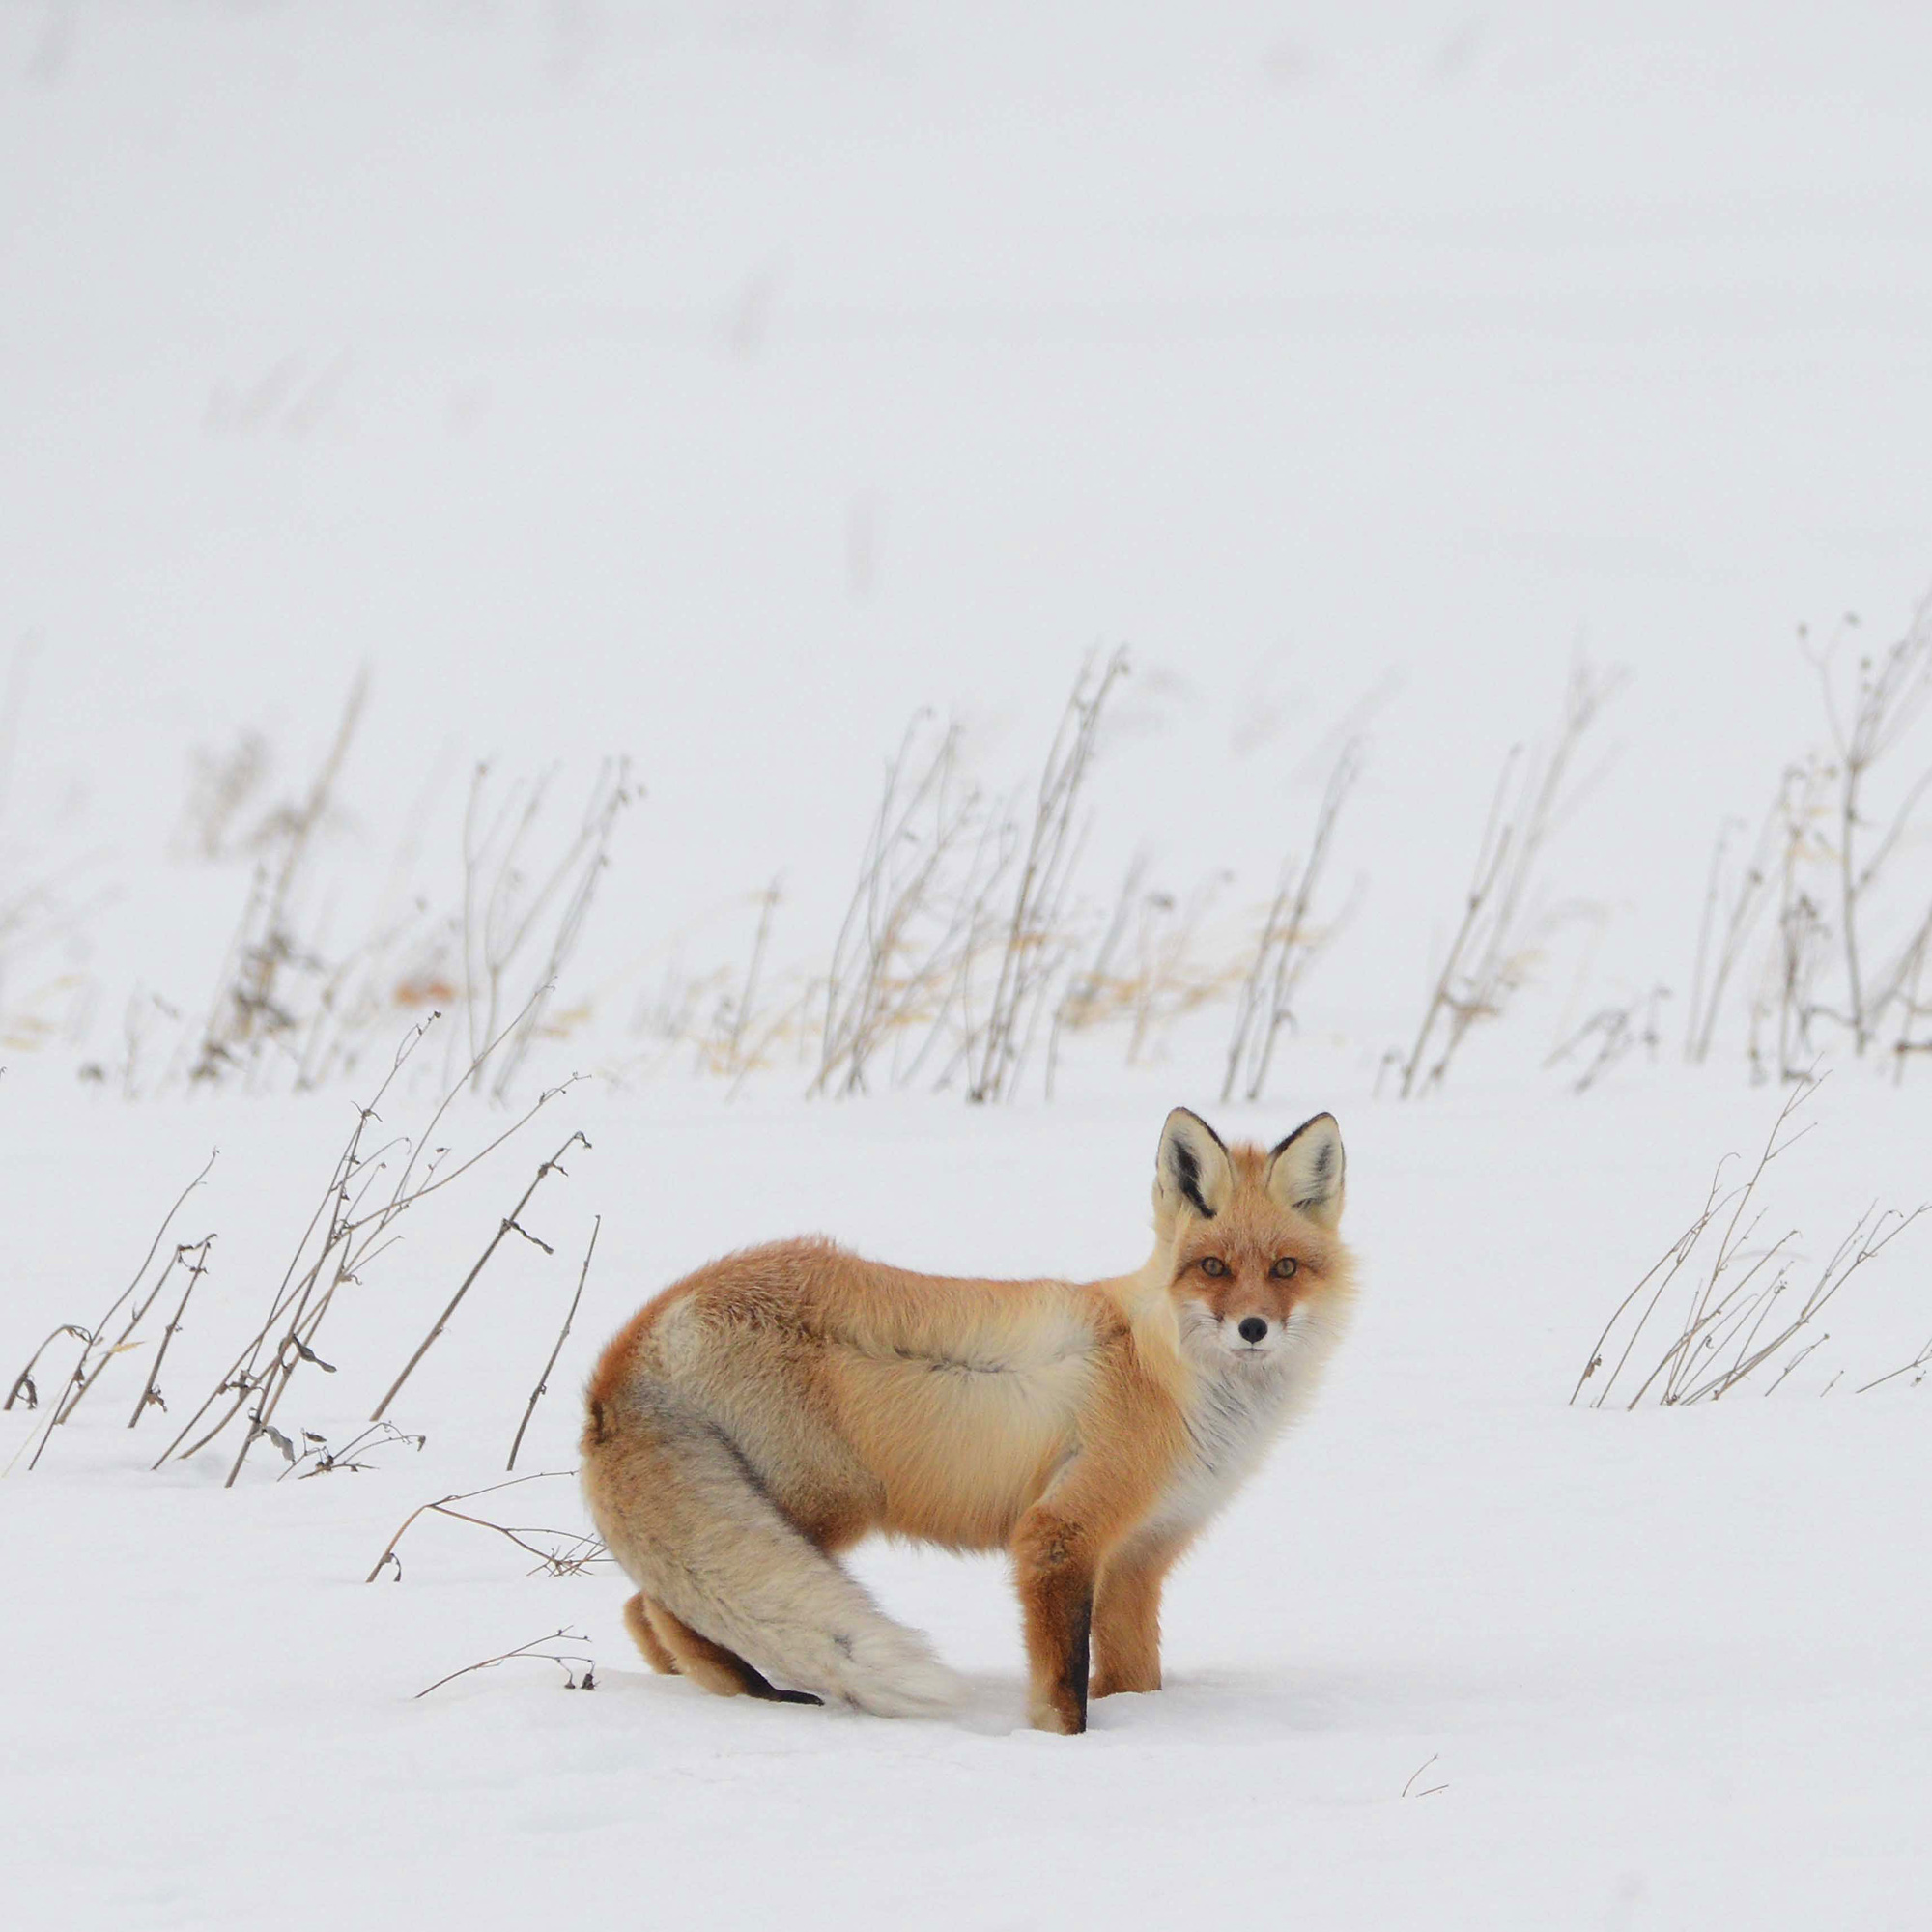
1248, 1236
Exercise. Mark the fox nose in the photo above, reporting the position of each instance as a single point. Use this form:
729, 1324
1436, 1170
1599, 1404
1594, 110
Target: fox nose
1253, 1328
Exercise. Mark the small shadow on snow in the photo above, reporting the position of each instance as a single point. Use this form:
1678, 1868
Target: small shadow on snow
1230, 1705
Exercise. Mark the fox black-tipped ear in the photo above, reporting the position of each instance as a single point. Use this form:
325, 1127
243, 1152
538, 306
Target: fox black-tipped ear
1192, 1169
1305, 1172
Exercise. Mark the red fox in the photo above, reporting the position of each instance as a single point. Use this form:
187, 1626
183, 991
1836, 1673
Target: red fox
776, 1407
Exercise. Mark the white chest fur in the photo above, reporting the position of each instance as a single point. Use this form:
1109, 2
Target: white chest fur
1240, 1407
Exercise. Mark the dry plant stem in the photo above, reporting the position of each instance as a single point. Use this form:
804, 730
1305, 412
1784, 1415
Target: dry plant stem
1082, 1002
247, 1011
1668, 1264
509, 1225
1891, 691
87, 1370
563, 1660
150, 1392
1488, 957
325, 1459
563, 1335
444, 1502
350, 1239
1712, 974
912, 922
1801, 930
1027, 963
734, 1055
1617, 1030
588, 858
1870, 1236
23, 1382
1922, 1360
1732, 1329
1287, 946
1906, 980
1679, 1253
244, 1377
1729, 1248
501, 909
1490, 856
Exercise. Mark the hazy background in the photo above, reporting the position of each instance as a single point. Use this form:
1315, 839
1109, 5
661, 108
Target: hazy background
720, 383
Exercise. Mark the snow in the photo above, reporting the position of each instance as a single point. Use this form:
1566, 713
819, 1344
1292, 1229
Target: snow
718, 386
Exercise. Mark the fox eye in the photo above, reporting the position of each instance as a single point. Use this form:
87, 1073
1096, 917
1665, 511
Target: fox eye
1214, 1264
1284, 1267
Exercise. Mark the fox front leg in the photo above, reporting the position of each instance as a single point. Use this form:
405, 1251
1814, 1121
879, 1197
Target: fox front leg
1127, 1617
1053, 1556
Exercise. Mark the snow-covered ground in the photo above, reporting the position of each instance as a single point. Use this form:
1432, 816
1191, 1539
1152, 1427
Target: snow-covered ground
717, 384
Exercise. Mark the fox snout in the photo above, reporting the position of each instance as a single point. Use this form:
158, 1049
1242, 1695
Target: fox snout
1251, 1334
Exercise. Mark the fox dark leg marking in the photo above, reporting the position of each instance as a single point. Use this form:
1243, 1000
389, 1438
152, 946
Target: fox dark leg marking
1070, 1693
1056, 1579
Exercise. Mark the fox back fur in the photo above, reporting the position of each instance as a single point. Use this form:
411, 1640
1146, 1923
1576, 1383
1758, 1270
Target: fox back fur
775, 1408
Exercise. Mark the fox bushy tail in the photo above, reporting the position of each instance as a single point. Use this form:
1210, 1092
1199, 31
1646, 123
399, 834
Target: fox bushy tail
685, 1517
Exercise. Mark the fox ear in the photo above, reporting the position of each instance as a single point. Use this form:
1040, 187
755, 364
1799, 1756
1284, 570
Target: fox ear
1192, 1169
1305, 1172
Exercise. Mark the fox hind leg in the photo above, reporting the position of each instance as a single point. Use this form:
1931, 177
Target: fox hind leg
691, 1654
638, 1621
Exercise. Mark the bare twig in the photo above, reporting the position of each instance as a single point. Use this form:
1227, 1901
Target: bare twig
441, 1506
1891, 689
1289, 943
326, 1462
150, 1393
1738, 1320
1030, 958
570, 1315
510, 1224
1490, 957
347, 1232
88, 1368
563, 1660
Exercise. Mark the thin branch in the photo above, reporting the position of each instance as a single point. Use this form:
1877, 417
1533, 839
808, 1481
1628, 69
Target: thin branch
570, 1315
508, 1225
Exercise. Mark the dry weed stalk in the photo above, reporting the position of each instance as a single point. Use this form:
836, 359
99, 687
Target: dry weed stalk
1911, 1008
1168, 981
509, 1225
251, 1011
1827, 860
1891, 692
1616, 1031
1719, 952
351, 1224
563, 1335
1036, 947
1737, 1319
566, 1553
151, 1396
564, 1659
325, 1461
1289, 943
504, 906
1490, 957
97, 1348
1798, 952
915, 915
1920, 1366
